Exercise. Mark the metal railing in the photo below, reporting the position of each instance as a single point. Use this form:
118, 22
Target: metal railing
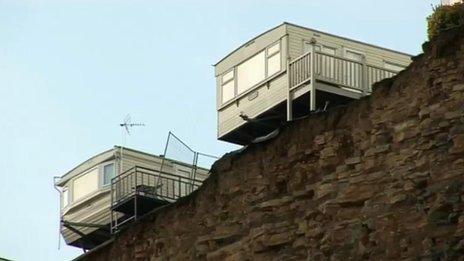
337, 70
151, 183
181, 172
161, 187
194, 164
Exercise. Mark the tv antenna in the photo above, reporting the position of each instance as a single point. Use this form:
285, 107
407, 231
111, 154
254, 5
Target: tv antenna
127, 125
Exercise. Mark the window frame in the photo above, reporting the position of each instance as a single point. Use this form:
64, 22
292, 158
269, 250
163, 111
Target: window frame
271, 55
101, 187
321, 48
267, 77
328, 47
102, 176
90, 194
222, 84
65, 203
345, 50
262, 52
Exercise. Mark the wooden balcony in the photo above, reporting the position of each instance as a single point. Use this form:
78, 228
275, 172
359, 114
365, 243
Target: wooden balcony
349, 75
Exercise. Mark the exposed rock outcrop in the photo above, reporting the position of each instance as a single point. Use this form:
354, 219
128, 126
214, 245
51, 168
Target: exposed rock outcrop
382, 178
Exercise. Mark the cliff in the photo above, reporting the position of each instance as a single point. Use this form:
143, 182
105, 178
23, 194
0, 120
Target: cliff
381, 178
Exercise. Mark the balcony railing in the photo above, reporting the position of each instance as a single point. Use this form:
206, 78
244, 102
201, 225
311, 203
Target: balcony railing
151, 183
139, 190
355, 75
351, 75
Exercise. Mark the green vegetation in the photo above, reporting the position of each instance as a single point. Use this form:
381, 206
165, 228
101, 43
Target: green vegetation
445, 17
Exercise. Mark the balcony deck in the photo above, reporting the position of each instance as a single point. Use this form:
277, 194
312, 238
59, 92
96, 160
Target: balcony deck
338, 75
140, 190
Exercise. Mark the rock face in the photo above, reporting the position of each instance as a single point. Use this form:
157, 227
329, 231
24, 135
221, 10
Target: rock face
382, 178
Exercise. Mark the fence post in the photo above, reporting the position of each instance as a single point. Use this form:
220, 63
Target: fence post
312, 76
135, 195
111, 206
365, 81
194, 168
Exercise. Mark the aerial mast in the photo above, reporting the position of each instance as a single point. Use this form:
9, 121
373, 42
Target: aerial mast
127, 125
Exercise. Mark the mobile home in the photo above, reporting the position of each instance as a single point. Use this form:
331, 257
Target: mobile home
103, 190
269, 79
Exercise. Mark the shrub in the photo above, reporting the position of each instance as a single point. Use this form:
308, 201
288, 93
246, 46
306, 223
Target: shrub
445, 17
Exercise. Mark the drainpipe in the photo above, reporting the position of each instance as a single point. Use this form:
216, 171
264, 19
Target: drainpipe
59, 213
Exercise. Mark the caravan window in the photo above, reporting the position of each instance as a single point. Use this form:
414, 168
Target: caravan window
85, 184
228, 86
329, 50
320, 48
251, 72
274, 64
353, 55
64, 197
108, 173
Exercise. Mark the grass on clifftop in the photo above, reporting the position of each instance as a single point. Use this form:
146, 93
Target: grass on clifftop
445, 17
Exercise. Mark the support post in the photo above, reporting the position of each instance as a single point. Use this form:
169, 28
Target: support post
365, 81
135, 195
111, 206
289, 94
312, 75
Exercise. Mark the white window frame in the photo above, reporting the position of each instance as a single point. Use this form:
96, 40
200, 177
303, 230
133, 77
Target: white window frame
65, 203
91, 194
335, 49
267, 56
345, 50
101, 186
102, 175
254, 56
322, 46
233, 70
271, 55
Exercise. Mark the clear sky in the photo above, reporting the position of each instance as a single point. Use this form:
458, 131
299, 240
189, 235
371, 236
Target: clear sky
70, 70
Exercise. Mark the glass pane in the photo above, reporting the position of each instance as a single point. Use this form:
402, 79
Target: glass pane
65, 198
108, 173
354, 56
273, 49
329, 50
228, 76
273, 65
251, 72
307, 47
228, 92
85, 184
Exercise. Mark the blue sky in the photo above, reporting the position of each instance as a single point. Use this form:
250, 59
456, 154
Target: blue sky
70, 70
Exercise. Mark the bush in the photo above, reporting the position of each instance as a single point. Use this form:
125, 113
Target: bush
445, 17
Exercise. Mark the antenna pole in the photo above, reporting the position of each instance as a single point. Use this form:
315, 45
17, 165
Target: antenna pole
125, 131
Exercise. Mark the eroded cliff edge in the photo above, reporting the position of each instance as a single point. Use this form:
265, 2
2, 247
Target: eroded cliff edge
380, 178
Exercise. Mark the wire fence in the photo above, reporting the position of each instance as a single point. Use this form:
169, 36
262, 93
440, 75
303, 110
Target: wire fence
182, 159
